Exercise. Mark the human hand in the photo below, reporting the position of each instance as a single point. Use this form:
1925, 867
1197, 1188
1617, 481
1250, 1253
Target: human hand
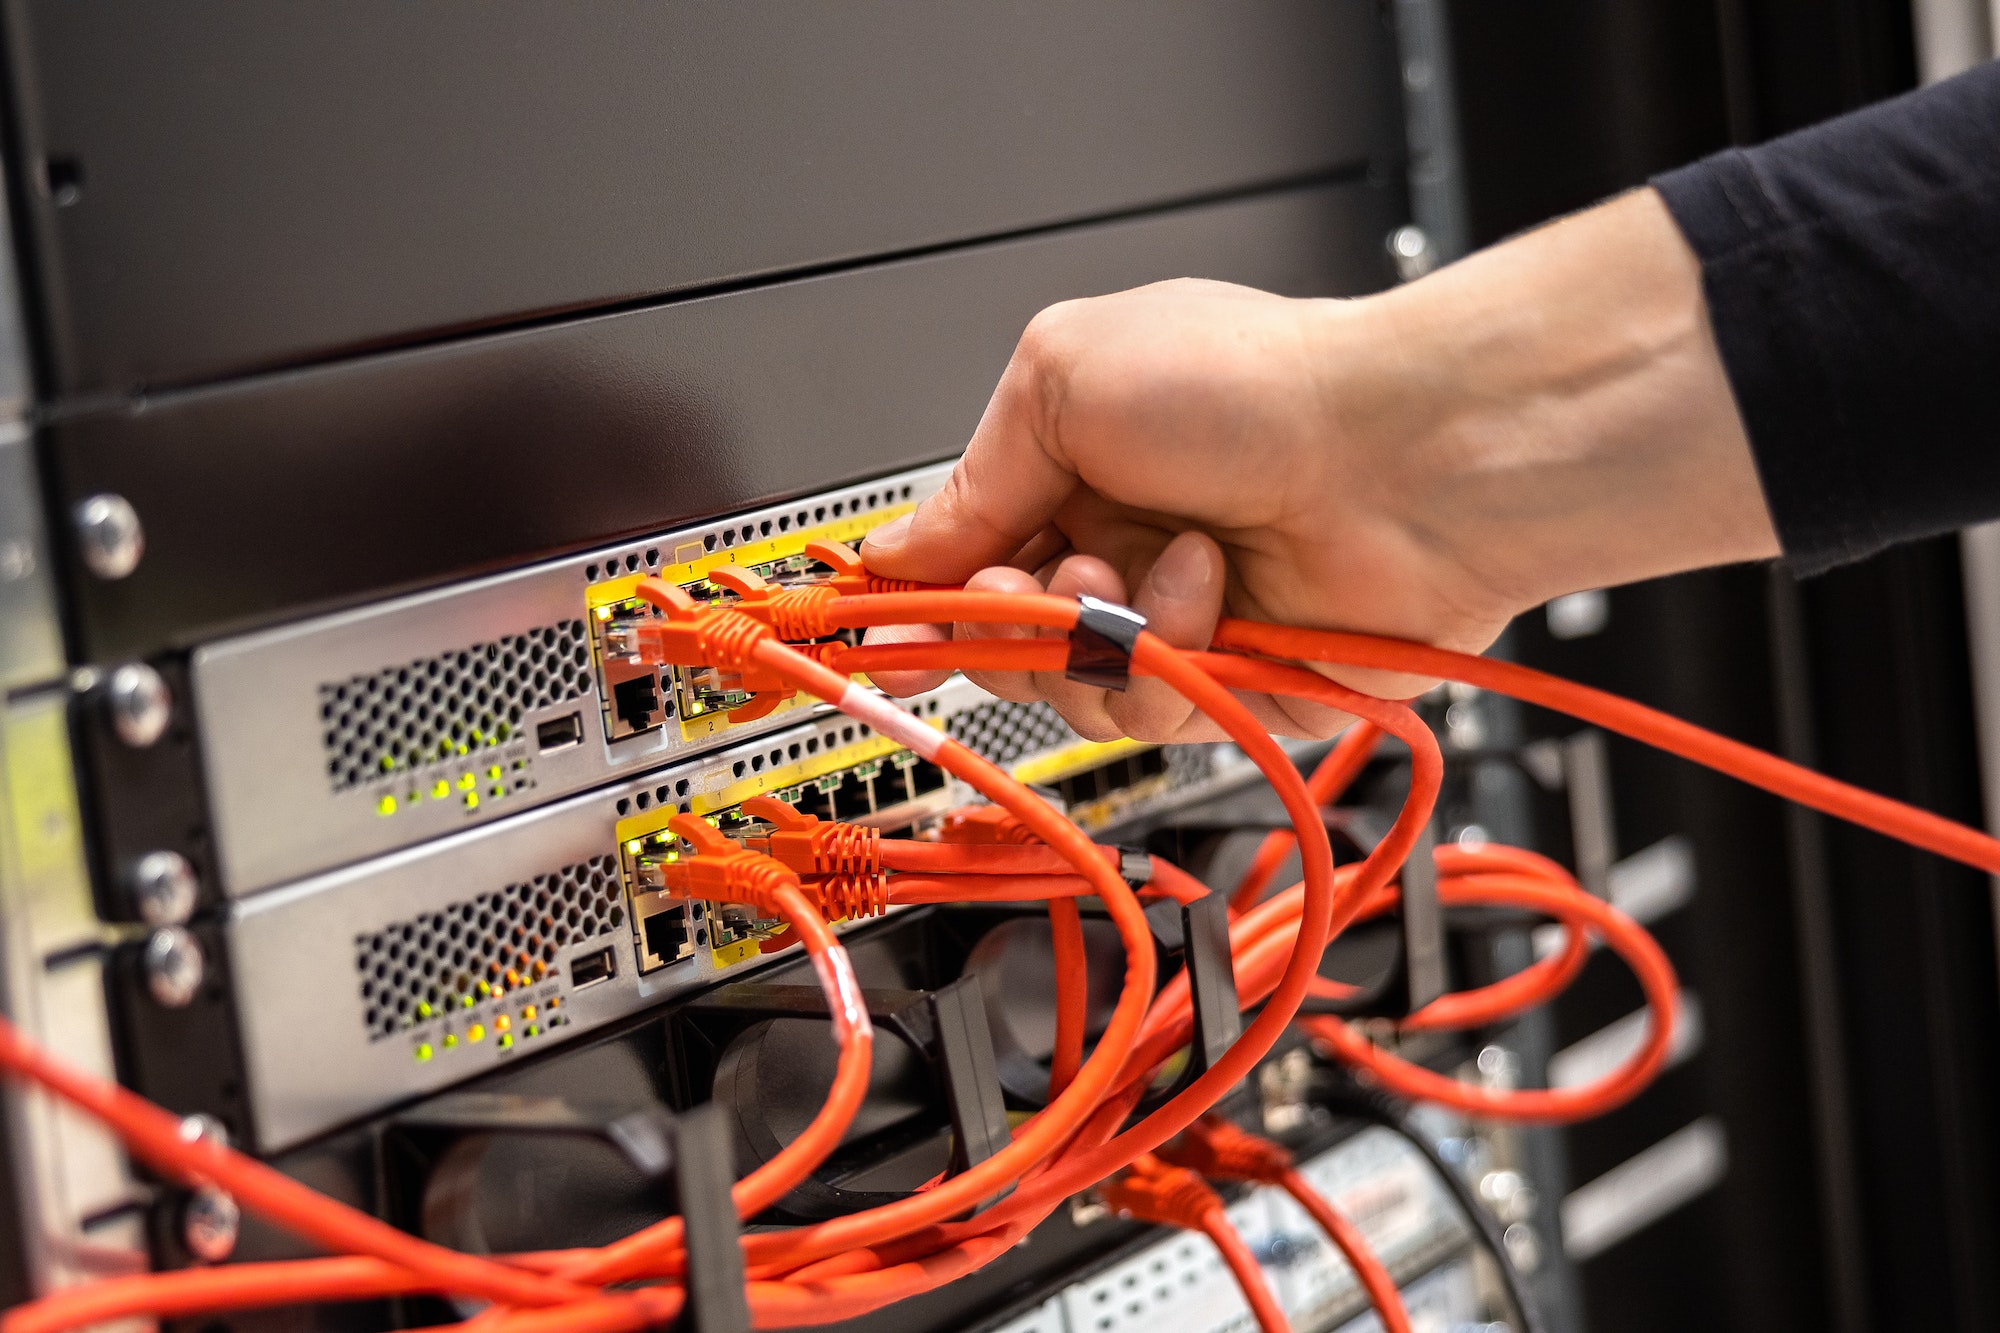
1546, 416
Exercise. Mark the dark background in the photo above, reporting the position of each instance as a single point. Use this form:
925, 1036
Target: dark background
1848, 983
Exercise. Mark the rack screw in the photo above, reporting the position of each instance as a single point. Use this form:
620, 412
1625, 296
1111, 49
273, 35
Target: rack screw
109, 534
1412, 251
209, 1223
163, 888
1524, 1247
201, 1127
139, 703
174, 966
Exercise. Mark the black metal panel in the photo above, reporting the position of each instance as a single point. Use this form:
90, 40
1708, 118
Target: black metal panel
306, 488
234, 184
1562, 102
1889, 692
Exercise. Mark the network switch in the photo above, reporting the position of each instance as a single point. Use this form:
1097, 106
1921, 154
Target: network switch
424, 967
339, 738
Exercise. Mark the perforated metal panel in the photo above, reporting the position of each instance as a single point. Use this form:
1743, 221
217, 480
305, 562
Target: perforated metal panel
461, 953
439, 708
1003, 732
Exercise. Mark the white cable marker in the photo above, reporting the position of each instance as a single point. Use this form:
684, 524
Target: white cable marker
866, 706
843, 994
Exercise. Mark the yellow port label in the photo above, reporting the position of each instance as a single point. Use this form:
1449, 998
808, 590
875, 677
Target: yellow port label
740, 952
1075, 759
703, 725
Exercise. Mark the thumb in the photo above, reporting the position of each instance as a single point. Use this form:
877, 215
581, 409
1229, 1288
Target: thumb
1004, 491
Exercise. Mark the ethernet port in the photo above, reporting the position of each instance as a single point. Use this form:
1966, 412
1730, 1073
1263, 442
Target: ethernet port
635, 703
700, 691
634, 700
924, 777
1080, 787
854, 798
821, 796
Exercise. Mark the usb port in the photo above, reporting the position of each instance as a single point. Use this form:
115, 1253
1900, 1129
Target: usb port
590, 968
559, 733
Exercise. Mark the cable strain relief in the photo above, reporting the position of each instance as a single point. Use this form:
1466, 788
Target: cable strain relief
852, 896
849, 849
729, 638
1171, 1195
802, 613
1221, 1149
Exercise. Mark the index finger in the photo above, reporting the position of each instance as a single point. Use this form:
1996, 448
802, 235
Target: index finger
1004, 491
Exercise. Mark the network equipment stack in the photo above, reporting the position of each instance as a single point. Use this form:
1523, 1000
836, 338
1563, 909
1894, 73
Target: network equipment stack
359, 363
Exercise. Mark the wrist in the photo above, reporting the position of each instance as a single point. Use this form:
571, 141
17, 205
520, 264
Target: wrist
1570, 422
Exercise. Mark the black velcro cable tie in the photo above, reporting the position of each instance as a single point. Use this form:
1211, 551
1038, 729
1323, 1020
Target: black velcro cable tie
1135, 866
1100, 647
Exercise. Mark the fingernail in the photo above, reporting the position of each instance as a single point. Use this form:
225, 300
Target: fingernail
890, 535
1184, 570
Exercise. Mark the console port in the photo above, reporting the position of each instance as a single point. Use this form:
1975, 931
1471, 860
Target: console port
635, 704
590, 968
664, 934
559, 733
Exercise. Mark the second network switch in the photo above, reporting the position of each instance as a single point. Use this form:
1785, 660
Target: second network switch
424, 967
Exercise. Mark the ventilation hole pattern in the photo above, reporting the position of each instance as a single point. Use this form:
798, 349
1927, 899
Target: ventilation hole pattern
721, 538
1004, 732
411, 970
439, 708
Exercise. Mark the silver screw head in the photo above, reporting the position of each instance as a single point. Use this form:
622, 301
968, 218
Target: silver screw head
109, 535
140, 704
163, 887
1524, 1247
210, 1221
174, 966
201, 1127
1411, 249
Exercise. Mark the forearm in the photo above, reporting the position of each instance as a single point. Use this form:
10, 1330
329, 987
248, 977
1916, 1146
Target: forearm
1567, 419
1853, 274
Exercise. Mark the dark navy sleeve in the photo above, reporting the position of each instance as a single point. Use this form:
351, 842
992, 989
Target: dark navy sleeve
1853, 277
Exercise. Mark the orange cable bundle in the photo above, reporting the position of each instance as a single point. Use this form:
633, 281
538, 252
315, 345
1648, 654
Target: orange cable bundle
850, 1265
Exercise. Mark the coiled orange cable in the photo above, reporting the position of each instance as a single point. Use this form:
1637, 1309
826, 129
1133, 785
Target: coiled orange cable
851, 1265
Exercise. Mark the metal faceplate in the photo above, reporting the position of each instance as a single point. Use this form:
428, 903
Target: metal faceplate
355, 734
366, 986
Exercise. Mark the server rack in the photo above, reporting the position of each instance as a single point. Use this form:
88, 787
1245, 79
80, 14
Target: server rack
355, 362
